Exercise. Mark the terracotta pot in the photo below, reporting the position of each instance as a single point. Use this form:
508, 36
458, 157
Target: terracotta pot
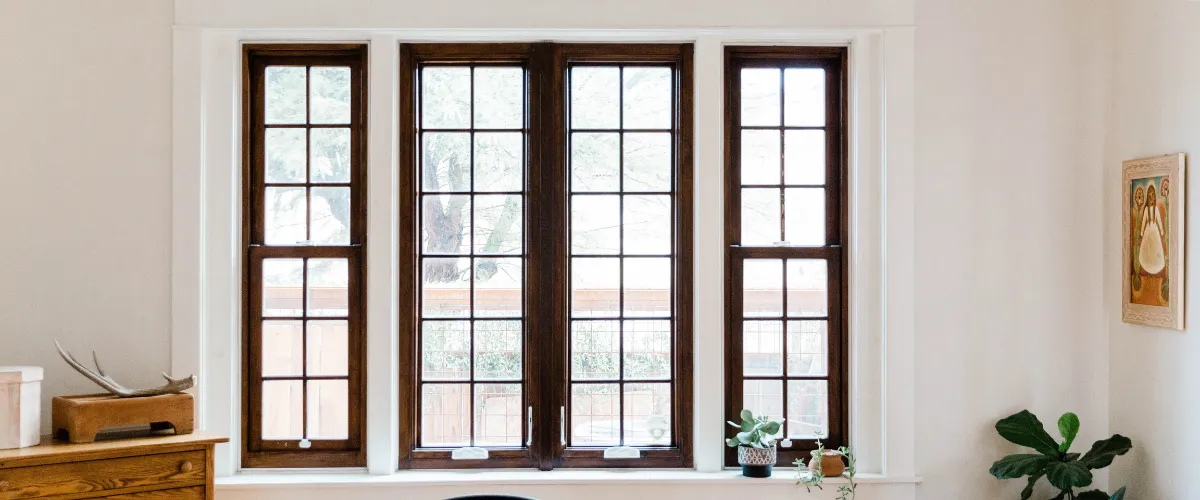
756, 462
831, 464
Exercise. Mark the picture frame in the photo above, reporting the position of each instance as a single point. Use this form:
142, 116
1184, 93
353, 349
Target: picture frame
1154, 222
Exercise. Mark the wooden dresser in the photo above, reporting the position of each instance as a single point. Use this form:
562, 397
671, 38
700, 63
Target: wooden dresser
148, 468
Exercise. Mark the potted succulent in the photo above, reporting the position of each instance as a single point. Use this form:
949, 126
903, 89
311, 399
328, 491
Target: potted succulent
755, 442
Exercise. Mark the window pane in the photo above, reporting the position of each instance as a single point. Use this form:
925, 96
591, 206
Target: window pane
595, 94
499, 97
445, 162
446, 224
760, 97
762, 288
761, 158
328, 409
595, 414
498, 350
330, 154
445, 410
647, 350
648, 224
331, 215
808, 287
498, 287
807, 345
647, 162
804, 157
594, 349
445, 350
595, 284
282, 348
446, 97
285, 151
764, 398
762, 348
499, 161
760, 216
328, 348
647, 414
647, 98
595, 164
647, 287
285, 218
284, 88
808, 408
805, 216
328, 281
498, 224
804, 97
330, 95
595, 224
498, 415
445, 288
283, 287
282, 409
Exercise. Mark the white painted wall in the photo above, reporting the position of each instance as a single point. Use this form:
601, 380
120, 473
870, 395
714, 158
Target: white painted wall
85, 187
1156, 110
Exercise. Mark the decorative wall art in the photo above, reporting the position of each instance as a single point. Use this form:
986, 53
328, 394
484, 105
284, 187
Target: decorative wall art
1154, 218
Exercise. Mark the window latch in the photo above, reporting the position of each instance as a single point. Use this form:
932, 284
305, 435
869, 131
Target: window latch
622, 452
529, 425
305, 444
469, 453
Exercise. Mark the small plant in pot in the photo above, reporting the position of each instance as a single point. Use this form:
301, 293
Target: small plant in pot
1054, 461
755, 442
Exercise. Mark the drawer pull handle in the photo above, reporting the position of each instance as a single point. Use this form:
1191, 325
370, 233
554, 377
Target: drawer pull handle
186, 466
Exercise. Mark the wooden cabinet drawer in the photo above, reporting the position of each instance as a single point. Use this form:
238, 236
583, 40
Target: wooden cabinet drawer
166, 470
196, 493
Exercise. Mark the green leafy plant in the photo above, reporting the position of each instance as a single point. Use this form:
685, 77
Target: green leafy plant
814, 477
1053, 460
756, 432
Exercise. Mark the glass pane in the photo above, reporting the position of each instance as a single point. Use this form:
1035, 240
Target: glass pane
760, 216
808, 287
647, 98
764, 398
330, 155
805, 216
446, 224
284, 88
282, 409
446, 162
498, 223
595, 165
285, 152
804, 97
760, 97
445, 288
282, 348
328, 409
595, 97
595, 346
330, 95
331, 215
328, 281
285, 218
761, 158
498, 416
446, 97
595, 224
647, 414
283, 287
445, 409
445, 350
595, 414
498, 287
647, 287
328, 348
762, 348
647, 162
647, 350
499, 97
807, 345
498, 161
647, 224
762, 288
498, 350
808, 408
595, 285
804, 157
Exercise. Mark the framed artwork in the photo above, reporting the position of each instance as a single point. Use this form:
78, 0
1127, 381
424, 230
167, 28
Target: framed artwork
1154, 218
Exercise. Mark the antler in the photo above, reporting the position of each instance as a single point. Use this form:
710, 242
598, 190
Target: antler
173, 386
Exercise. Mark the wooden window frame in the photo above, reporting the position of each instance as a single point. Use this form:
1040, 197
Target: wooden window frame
834, 61
547, 252
257, 452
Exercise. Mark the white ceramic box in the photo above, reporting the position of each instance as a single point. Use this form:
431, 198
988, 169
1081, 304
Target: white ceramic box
20, 406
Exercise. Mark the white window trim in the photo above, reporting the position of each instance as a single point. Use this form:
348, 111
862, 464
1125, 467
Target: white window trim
206, 228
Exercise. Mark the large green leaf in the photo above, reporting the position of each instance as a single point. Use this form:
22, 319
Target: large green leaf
1025, 429
1104, 451
1028, 491
1068, 427
1068, 475
771, 428
1119, 495
747, 415
1020, 465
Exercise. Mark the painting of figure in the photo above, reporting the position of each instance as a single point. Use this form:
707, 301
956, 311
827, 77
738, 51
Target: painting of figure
1150, 241
1153, 242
